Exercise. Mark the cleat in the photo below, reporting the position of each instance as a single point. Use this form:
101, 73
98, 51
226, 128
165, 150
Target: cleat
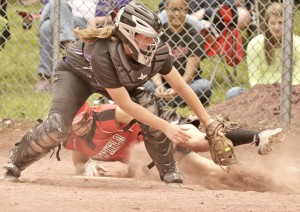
174, 179
9, 175
267, 138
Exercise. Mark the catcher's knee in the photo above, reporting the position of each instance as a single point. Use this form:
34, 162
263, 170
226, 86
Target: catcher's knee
53, 131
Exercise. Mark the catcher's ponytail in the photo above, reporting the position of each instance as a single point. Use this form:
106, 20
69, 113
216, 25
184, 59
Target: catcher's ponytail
90, 35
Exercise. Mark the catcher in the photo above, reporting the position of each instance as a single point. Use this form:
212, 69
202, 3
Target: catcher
106, 133
115, 61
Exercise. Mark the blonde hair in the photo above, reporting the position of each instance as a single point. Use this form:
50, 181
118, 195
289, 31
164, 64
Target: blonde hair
274, 9
90, 35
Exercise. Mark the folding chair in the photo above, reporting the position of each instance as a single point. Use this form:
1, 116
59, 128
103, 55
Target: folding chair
226, 43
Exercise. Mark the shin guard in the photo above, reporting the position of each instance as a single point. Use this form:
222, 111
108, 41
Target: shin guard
37, 143
157, 144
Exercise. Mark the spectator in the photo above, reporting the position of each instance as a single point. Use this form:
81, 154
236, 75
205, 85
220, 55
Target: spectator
264, 53
5, 32
187, 49
74, 13
204, 10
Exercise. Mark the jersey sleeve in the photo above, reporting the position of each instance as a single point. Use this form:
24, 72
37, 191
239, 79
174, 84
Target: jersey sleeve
72, 143
105, 117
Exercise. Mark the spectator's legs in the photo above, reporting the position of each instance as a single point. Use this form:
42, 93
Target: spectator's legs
150, 86
202, 88
46, 39
235, 91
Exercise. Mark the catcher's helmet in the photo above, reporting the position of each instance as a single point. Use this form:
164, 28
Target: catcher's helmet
135, 18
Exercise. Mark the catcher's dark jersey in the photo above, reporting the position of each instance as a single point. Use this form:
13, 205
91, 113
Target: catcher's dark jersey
109, 141
101, 65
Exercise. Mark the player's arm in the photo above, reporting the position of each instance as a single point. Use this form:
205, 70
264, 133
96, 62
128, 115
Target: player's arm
122, 117
174, 132
159, 85
79, 161
197, 142
191, 69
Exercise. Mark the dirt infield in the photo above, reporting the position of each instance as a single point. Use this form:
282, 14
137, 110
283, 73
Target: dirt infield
259, 183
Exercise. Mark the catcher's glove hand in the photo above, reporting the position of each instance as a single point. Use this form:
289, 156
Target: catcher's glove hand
221, 148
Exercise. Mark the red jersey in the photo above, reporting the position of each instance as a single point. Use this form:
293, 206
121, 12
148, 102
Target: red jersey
106, 141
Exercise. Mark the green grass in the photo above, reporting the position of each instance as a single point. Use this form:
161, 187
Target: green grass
19, 64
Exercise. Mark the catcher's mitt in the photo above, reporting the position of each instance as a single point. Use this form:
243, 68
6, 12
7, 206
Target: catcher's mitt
221, 148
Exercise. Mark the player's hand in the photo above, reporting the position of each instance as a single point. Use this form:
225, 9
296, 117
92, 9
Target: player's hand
159, 91
170, 94
93, 169
177, 134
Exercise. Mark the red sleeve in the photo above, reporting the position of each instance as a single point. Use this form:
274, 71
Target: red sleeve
106, 117
73, 143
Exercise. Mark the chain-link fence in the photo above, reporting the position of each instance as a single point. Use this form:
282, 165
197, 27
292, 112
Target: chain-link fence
221, 48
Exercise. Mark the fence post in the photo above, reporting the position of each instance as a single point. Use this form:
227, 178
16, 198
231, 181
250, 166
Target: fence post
56, 33
287, 64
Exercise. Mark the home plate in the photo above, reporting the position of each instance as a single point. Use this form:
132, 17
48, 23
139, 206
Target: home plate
111, 177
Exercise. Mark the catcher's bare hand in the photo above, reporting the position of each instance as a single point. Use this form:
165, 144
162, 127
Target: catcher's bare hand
221, 148
177, 134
